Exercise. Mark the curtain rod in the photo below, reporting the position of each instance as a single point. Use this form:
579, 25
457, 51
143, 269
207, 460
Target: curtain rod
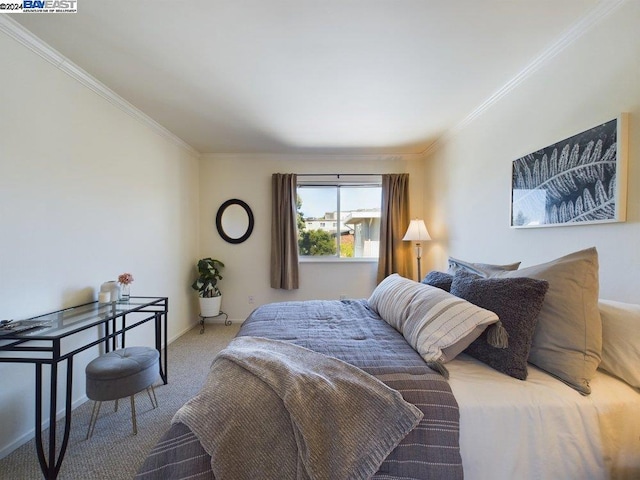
339, 174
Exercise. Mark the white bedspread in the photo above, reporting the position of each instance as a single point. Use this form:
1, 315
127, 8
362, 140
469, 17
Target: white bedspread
543, 429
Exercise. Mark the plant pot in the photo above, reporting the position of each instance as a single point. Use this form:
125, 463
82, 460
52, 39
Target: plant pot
210, 307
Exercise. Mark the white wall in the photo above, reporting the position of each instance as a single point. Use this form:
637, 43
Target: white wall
468, 179
247, 264
86, 192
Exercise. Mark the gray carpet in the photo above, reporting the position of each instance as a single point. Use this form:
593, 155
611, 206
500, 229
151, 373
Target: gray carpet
113, 452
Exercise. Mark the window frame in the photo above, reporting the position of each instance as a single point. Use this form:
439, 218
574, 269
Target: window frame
320, 181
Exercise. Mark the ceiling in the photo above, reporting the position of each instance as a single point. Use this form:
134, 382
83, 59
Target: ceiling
308, 76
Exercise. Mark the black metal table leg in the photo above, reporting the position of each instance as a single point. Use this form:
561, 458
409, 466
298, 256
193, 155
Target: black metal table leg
38, 429
51, 473
165, 315
50, 465
163, 355
124, 322
67, 414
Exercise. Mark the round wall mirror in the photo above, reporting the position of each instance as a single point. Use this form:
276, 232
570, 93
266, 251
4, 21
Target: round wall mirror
234, 221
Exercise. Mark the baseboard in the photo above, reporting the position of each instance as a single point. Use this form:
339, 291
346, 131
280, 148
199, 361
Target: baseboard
179, 334
30, 435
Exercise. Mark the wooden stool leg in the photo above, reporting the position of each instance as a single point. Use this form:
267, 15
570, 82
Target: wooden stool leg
94, 418
133, 415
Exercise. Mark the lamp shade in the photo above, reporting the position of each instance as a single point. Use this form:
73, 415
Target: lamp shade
417, 231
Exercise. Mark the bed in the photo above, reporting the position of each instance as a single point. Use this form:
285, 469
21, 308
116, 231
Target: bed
476, 421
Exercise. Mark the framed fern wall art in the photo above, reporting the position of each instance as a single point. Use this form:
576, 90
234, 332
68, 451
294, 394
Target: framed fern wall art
579, 180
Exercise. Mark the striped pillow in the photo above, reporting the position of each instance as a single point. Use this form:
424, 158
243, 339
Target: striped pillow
436, 324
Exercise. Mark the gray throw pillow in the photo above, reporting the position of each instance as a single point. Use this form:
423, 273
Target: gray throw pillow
482, 269
441, 280
568, 338
517, 302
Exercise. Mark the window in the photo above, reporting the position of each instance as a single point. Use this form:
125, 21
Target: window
339, 219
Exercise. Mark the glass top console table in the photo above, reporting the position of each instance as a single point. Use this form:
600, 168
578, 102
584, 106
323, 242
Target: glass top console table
57, 337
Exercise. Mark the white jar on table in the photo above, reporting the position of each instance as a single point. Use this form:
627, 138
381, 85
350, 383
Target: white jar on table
113, 288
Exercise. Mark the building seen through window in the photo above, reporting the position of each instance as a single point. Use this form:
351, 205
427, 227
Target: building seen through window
339, 220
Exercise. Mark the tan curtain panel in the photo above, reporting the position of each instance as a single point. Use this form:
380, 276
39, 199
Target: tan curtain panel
395, 254
284, 232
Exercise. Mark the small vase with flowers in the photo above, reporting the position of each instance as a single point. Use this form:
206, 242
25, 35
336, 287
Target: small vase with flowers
125, 280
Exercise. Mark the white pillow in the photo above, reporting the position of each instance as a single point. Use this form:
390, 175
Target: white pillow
621, 340
436, 324
482, 269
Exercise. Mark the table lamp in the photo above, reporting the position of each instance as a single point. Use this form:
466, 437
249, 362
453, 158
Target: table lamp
417, 232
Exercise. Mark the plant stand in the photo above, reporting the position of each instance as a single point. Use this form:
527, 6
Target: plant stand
227, 322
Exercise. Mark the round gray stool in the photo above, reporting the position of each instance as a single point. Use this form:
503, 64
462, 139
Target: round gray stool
119, 374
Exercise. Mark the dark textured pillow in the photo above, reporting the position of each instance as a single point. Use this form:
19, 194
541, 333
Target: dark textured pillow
517, 302
438, 279
482, 269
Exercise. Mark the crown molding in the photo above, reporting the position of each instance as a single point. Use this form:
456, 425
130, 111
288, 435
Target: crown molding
23, 36
314, 157
593, 17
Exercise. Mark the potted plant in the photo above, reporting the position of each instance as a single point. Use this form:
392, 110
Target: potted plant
207, 285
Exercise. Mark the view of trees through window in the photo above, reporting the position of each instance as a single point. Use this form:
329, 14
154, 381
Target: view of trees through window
339, 220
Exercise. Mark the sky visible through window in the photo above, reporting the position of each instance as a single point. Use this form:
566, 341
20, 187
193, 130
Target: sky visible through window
316, 201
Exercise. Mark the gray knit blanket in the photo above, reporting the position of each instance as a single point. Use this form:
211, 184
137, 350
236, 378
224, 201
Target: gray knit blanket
272, 409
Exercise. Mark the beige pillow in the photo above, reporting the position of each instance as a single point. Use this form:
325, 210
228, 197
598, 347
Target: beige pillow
621, 340
567, 341
436, 324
